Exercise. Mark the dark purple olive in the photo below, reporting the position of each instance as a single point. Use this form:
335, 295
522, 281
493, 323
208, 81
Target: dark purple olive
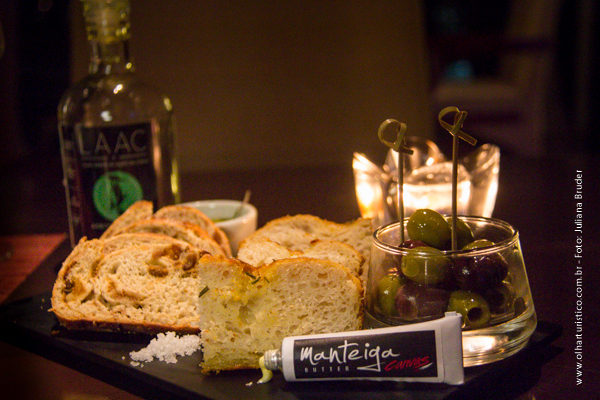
501, 299
479, 273
414, 301
411, 244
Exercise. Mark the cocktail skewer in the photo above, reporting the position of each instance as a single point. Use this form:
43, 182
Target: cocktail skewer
457, 134
399, 145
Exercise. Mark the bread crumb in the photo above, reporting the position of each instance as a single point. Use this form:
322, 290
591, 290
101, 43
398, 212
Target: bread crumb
166, 347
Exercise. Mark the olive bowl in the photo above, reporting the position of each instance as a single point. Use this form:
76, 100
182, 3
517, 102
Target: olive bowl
487, 284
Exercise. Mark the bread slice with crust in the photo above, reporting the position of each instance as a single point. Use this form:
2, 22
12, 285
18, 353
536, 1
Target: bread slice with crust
260, 250
150, 288
160, 284
245, 311
124, 240
182, 222
194, 216
190, 233
139, 210
297, 232
155, 276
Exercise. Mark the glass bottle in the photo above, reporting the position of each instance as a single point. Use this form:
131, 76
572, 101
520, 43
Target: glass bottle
116, 133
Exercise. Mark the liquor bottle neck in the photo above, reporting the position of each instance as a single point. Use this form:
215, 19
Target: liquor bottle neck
107, 26
110, 57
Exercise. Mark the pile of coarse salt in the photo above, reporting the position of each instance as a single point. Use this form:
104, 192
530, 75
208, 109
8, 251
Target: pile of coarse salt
165, 347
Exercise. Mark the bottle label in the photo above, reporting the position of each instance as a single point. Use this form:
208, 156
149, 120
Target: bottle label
107, 169
376, 356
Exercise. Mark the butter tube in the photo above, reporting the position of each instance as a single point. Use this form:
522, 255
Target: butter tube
423, 352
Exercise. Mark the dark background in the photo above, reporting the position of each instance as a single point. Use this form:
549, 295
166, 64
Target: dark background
35, 70
536, 193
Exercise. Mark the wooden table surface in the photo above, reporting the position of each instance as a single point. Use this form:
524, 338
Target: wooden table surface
538, 197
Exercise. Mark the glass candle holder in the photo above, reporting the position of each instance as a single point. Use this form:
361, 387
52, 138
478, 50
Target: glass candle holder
487, 285
427, 182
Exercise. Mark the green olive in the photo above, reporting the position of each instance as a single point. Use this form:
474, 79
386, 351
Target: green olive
426, 265
430, 227
464, 235
478, 244
387, 287
473, 307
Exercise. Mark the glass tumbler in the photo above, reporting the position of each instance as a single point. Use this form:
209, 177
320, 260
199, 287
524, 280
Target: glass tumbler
487, 285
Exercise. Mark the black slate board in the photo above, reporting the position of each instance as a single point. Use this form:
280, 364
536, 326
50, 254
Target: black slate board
29, 325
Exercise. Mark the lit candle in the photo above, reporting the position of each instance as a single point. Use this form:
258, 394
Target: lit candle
437, 197
431, 187
369, 181
369, 199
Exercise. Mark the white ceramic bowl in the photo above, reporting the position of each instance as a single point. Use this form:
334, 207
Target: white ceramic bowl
222, 211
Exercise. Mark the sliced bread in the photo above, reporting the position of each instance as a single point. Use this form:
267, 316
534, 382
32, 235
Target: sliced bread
190, 233
260, 250
245, 311
124, 240
194, 216
139, 210
158, 285
146, 288
298, 232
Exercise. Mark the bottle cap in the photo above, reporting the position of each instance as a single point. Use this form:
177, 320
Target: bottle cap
107, 19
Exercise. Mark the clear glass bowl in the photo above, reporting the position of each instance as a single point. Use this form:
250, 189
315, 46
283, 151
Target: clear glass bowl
488, 285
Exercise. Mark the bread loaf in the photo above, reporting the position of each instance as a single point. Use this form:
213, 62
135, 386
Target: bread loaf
151, 287
297, 232
180, 222
194, 216
124, 240
258, 251
139, 210
160, 284
245, 311
163, 273
190, 233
